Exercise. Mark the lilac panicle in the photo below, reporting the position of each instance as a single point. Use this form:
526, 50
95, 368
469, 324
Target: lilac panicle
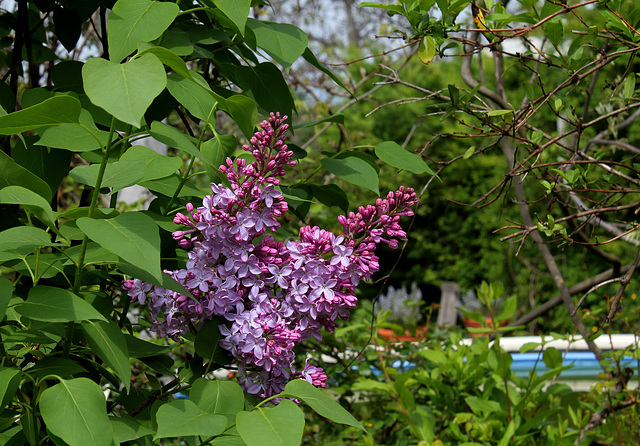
273, 295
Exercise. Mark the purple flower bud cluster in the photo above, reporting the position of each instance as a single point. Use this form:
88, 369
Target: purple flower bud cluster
273, 295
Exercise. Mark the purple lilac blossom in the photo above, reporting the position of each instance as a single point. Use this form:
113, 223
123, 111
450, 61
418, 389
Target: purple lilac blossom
273, 295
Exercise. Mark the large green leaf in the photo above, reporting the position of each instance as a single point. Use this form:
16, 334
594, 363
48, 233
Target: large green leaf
13, 174
126, 428
133, 236
81, 137
24, 239
48, 164
117, 175
107, 341
157, 164
139, 348
167, 186
321, 403
131, 21
31, 201
52, 365
166, 56
219, 397
394, 155
280, 425
193, 96
76, 411
183, 418
236, 10
267, 86
207, 344
52, 304
331, 195
282, 41
354, 170
124, 90
56, 110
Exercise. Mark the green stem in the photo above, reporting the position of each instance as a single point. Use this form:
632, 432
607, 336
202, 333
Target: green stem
93, 205
183, 180
185, 176
85, 240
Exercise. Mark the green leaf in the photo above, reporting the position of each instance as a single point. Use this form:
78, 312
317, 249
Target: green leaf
394, 155
311, 58
13, 174
82, 137
9, 381
552, 357
338, 117
126, 428
499, 112
56, 110
629, 86
117, 175
193, 96
133, 236
167, 186
133, 20
94, 255
244, 112
31, 201
354, 170
480, 406
508, 309
167, 57
76, 411
427, 49
6, 291
267, 86
49, 165
139, 348
56, 366
280, 425
217, 397
52, 304
554, 31
125, 90
107, 341
183, 418
24, 239
321, 403
282, 41
157, 164
217, 149
207, 343
331, 195
236, 10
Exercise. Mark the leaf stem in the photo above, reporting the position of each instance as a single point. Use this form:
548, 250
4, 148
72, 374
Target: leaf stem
85, 240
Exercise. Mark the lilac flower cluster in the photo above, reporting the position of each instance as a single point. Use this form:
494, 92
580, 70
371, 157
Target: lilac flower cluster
274, 295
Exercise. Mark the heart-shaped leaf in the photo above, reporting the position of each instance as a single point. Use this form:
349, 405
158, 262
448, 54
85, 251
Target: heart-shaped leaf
125, 90
131, 21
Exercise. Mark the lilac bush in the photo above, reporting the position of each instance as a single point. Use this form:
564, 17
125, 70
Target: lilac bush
274, 294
